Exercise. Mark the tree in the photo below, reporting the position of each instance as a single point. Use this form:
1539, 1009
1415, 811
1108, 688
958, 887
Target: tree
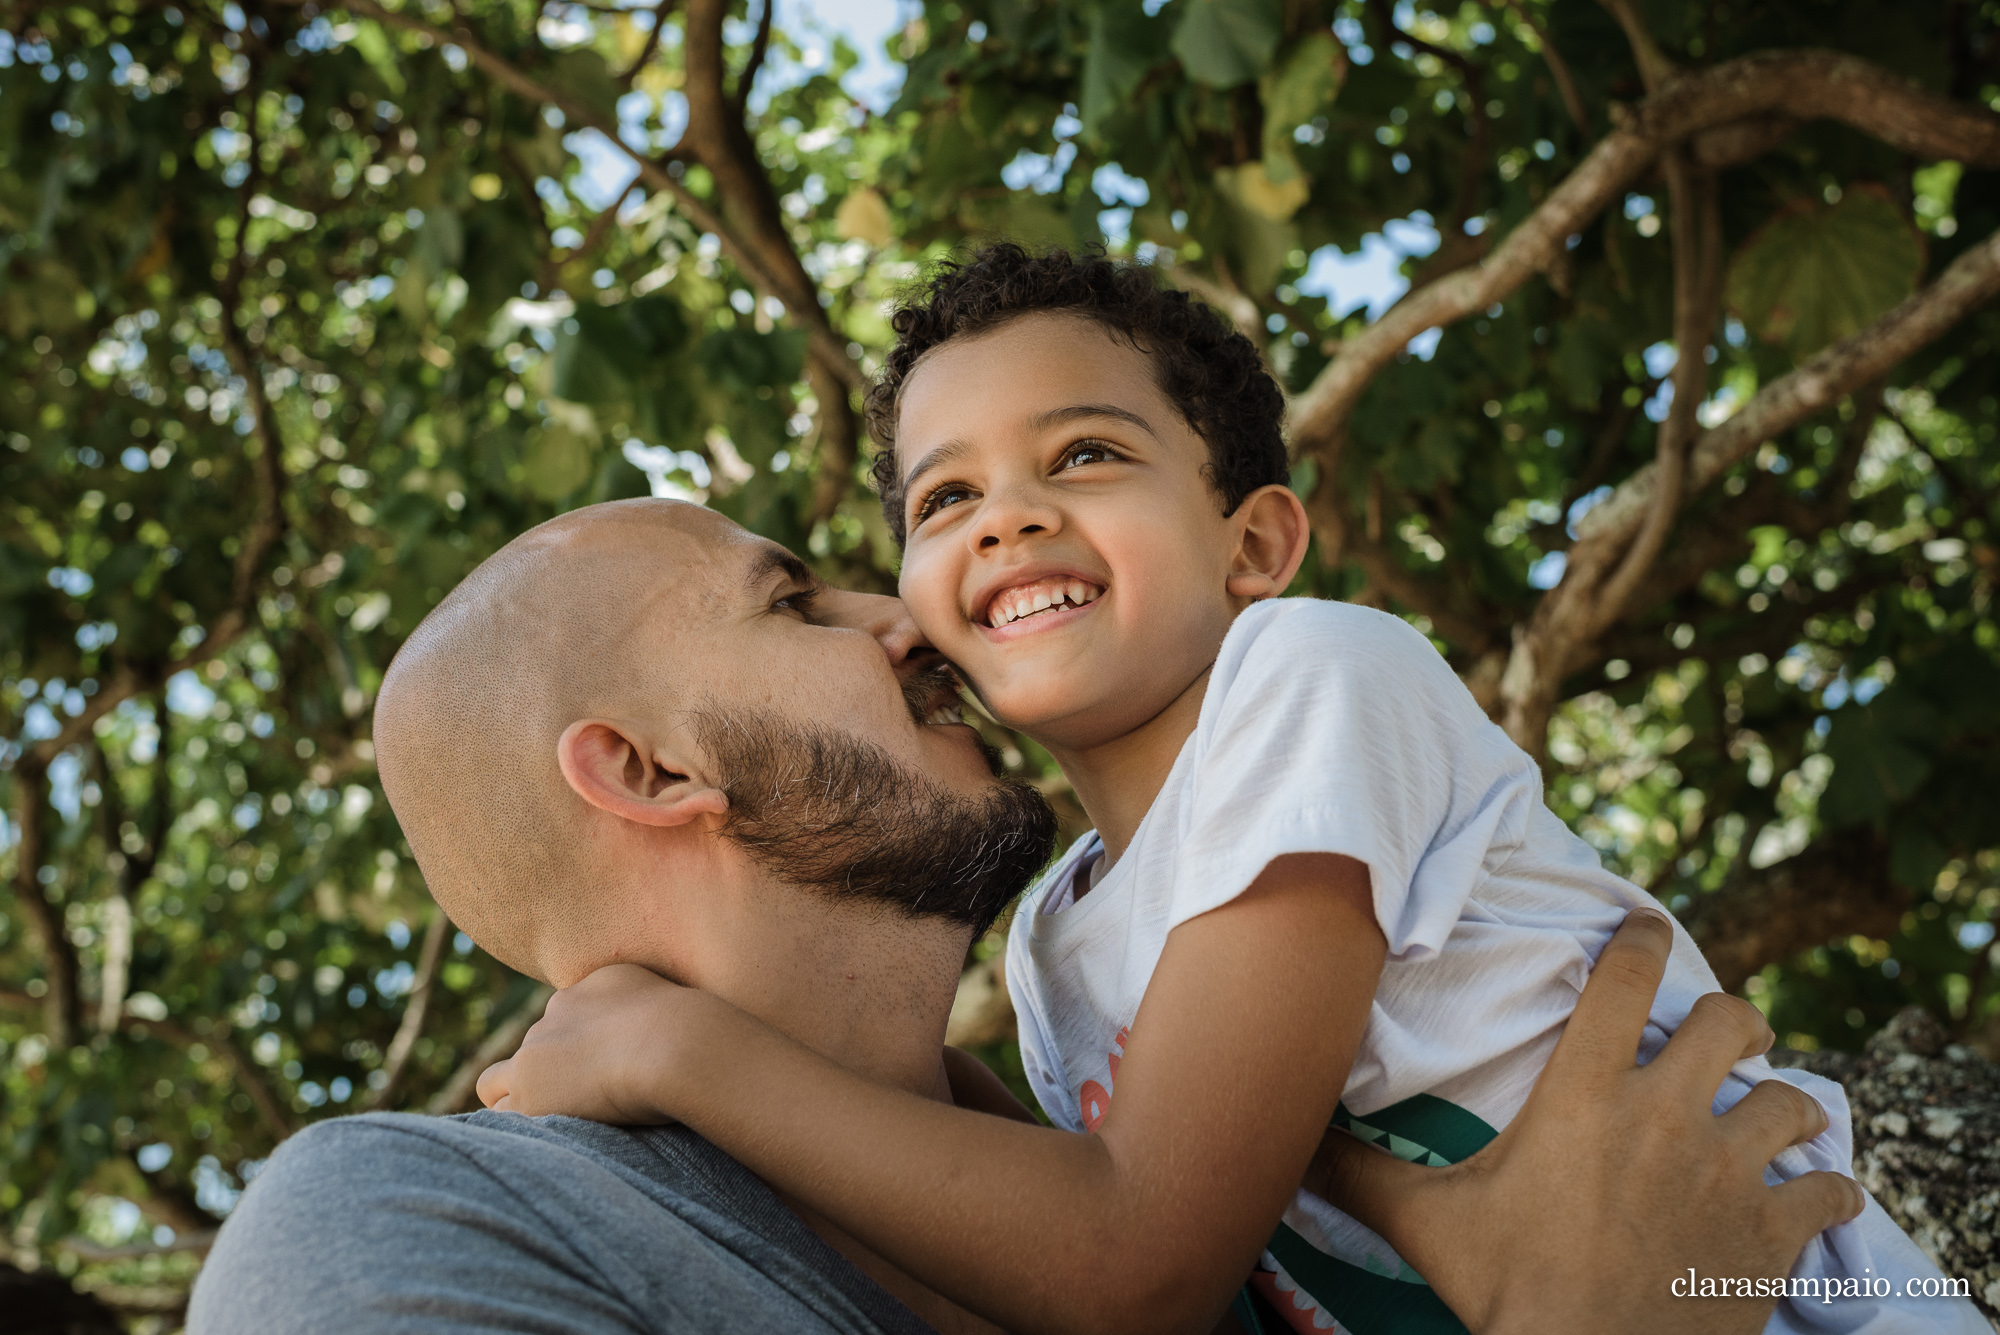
307, 308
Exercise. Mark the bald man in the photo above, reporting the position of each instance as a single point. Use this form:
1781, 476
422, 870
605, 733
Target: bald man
642, 734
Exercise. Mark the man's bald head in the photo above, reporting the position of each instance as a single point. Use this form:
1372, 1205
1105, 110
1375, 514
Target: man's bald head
564, 737
563, 623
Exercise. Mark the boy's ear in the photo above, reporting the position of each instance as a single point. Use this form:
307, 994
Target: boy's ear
610, 768
1272, 535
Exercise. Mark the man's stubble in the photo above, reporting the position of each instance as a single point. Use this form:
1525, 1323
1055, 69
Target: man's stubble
829, 811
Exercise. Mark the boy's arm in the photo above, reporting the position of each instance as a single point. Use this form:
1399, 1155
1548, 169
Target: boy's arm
1229, 1078
974, 1086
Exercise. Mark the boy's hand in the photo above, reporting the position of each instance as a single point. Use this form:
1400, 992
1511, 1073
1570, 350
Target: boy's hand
597, 1052
1614, 1179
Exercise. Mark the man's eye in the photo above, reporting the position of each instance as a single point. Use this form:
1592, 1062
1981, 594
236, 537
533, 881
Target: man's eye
800, 603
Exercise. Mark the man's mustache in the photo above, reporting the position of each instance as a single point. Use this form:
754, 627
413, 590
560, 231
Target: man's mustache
926, 690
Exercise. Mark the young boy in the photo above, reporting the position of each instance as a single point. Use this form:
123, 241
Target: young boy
1322, 888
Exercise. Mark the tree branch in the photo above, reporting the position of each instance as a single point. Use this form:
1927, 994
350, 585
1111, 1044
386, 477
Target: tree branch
719, 139
1549, 647
1428, 597
651, 46
456, 1094
251, 1080
1654, 67
267, 522
62, 1008
1800, 84
758, 49
1697, 247
1972, 280
1838, 887
407, 1032
1472, 166
85, 1250
61, 1005
130, 869
1558, 67
248, 1077
796, 293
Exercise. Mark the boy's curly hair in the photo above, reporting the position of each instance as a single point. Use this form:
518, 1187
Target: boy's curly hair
1211, 373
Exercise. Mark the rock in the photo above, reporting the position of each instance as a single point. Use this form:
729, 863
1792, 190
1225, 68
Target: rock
1927, 1141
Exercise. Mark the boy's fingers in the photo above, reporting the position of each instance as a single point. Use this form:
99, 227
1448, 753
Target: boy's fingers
1719, 1031
1813, 1203
1611, 1013
495, 1082
1771, 1117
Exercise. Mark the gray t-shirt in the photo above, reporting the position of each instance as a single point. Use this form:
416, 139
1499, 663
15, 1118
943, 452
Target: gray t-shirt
498, 1222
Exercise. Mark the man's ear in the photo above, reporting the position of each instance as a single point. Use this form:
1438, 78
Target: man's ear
1272, 537
614, 771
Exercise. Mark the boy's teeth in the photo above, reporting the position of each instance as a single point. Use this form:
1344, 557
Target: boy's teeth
1017, 603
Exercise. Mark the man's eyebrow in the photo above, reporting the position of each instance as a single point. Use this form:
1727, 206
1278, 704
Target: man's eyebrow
774, 559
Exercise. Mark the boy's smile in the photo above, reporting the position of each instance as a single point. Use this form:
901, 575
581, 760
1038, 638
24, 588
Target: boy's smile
1026, 594
1066, 548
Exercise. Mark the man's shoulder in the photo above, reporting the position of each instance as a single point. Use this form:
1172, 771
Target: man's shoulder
392, 1152
388, 1162
496, 1221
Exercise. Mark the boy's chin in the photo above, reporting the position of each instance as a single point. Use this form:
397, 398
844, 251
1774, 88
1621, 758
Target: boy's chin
1067, 722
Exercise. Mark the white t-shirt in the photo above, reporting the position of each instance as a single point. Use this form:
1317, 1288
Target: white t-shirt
1331, 728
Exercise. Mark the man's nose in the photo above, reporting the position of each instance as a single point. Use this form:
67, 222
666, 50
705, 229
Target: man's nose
887, 619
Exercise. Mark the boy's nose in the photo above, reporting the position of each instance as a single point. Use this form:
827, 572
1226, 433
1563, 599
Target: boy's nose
884, 617
1008, 517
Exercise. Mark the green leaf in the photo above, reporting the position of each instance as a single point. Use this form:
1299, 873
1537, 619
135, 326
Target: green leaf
617, 350
1223, 43
1879, 756
1294, 91
1817, 273
558, 460
380, 53
1124, 44
1916, 857
582, 74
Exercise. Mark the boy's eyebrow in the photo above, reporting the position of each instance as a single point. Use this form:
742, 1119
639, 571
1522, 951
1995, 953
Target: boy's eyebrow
951, 449
943, 454
1058, 416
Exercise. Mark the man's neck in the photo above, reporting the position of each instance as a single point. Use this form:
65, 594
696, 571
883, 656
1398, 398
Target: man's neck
863, 987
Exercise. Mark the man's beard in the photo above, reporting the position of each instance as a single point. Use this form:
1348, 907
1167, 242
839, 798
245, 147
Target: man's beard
829, 811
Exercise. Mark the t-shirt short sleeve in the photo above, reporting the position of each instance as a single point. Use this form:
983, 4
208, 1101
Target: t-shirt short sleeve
397, 1224
1330, 728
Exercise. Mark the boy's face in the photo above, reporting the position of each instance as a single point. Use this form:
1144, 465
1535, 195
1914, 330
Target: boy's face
1065, 548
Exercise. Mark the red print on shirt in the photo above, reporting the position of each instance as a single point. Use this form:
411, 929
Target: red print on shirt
1094, 1100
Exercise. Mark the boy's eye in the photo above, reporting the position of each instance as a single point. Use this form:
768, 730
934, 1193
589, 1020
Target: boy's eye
949, 494
1087, 452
